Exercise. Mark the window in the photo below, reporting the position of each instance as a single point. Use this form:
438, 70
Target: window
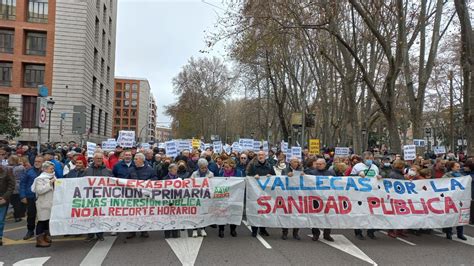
127, 87
118, 86
99, 122
104, 14
127, 95
97, 29
109, 50
118, 103
102, 67
118, 94
103, 42
117, 112
101, 91
125, 112
107, 97
94, 86
36, 43
134, 103
8, 9
134, 95
91, 126
124, 122
7, 38
106, 118
3, 101
108, 75
134, 87
33, 75
28, 114
38, 11
5, 74
96, 59
133, 122
133, 113
97, 5
126, 103
110, 26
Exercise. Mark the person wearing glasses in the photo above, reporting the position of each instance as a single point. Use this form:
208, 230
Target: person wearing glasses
241, 165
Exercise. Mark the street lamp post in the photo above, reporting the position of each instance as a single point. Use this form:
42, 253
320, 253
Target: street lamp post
50, 104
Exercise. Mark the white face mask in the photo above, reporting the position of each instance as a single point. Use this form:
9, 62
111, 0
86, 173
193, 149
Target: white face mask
411, 173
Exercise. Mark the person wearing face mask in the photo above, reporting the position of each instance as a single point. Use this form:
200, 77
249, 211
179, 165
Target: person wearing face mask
164, 168
386, 167
28, 197
43, 187
202, 172
183, 172
122, 168
58, 167
366, 168
413, 173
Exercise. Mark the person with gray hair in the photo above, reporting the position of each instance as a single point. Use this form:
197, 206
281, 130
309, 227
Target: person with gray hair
201, 172
43, 187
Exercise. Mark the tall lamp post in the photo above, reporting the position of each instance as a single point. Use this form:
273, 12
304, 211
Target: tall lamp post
50, 103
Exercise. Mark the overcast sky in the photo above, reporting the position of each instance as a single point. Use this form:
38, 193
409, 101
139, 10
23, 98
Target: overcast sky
155, 38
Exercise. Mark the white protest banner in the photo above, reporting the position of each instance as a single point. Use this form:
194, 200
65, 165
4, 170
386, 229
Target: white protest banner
145, 145
246, 144
161, 145
217, 145
256, 145
236, 147
284, 146
108, 204
227, 149
91, 147
341, 151
439, 150
184, 144
171, 148
296, 152
265, 146
126, 139
356, 202
109, 145
409, 152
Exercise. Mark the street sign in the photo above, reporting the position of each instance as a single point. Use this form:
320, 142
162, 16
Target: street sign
42, 91
42, 109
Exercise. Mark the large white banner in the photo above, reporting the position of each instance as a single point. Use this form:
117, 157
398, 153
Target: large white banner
355, 202
107, 204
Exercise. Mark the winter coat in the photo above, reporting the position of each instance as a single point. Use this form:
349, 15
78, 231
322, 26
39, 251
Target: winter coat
184, 174
26, 181
198, 174
97, 171
145, 172
316, 172
58, 168
240, 170
17, 171
44, 195
75, 173
279, 167
214, 168
122, 170
7, 184
68, 167
396, 174
289, 169
261, 169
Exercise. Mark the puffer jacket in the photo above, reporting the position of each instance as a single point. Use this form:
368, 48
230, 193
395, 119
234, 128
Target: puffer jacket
26, 181
44, 195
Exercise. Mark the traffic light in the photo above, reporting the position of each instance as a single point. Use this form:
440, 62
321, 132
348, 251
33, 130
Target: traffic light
310, 120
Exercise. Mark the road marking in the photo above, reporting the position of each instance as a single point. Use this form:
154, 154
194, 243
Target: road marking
7, 241
469, 241
14, 229
99, 251
32, 261
344, 244
185, 248
399, 238
259, 237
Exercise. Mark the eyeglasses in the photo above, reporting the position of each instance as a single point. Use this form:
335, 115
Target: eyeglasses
243, 158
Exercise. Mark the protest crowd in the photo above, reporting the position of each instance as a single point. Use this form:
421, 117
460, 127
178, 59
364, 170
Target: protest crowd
27, 179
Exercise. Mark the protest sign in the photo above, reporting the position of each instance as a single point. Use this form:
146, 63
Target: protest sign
419, 142
296, 152
227, 149
109, 145
171, 148
246, 144
284, 146
145, 145
217, 146
314, 146
439, 150
356, 202
409, 152
265, 146
256, 145
236, 147
91, 147
341, 151
108, 204
196, 143
184, 144
161, 145
126, 139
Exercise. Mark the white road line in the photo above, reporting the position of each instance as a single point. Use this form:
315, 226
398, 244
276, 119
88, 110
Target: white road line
469, 241
401, 239
345, 245
264, 243
185, 248
30, 261
98, 252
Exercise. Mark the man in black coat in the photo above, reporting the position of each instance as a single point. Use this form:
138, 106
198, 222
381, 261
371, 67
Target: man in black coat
257, 168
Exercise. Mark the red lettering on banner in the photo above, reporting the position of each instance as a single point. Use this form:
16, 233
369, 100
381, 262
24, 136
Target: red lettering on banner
449, 204
168, 183
431, 208
311, 200
385, 210
262, 201
205, 183
91, 181
401, 207
292, 202
344, 209
331, 204
374, 203
415, 211
280, 203
111, 211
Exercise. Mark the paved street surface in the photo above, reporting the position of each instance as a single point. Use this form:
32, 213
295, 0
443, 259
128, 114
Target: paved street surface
346, 250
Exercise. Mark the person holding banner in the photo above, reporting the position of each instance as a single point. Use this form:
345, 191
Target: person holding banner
454, 170
256, 168
294, 169
43, 187
318, 168
242, 165
172, 174
228, 170
122, 168
202, 172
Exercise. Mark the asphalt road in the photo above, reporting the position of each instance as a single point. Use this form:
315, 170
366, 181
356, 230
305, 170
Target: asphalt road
429, 249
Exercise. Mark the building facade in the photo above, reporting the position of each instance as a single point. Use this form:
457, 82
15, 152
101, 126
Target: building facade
68, 46
152, 118
133, 108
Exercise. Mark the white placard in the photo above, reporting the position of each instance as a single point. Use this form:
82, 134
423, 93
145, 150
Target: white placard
171, 148
341, 151
409, 152
91, 147
439, 150
246, 144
